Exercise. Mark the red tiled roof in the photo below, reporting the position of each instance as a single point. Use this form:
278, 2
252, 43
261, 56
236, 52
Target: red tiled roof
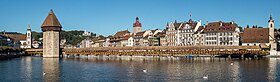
220, 27
121, 33
139, 34
16, 37
137, 23
255, 35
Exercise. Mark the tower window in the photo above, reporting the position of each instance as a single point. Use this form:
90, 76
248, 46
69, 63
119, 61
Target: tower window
270, 25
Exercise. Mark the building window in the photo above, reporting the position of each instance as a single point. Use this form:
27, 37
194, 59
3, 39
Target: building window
271, 25
247, 44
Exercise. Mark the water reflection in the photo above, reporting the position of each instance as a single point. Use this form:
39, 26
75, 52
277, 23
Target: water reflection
130, 69
182, 69
27, 62
51, 71
273, 71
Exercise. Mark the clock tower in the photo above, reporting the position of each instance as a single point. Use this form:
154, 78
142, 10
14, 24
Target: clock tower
137, 26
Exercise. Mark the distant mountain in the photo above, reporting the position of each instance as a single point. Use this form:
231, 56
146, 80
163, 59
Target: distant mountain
9, 32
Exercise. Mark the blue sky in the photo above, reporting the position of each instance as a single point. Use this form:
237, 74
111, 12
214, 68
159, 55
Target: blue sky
109, 16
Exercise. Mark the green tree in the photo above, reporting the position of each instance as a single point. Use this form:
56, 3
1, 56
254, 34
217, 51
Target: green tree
241, 29
247, 26
72, 37
37, 35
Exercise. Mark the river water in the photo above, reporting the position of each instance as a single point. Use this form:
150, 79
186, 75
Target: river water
138, 69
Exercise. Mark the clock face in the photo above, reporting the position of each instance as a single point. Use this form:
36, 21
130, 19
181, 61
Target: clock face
139, 29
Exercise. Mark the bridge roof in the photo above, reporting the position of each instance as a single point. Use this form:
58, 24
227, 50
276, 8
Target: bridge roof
166, 48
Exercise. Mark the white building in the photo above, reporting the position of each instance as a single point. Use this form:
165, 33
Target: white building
199, 37
86, 43
130, 41
181, 34
172, 35
186, 33
86, 33
221, 34
29, 37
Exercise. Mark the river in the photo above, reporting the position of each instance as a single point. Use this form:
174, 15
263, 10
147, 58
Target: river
138, 69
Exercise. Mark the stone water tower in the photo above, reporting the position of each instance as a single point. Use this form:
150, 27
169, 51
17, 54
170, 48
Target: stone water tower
51, 30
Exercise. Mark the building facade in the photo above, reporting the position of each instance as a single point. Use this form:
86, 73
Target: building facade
28, 37
172, 34
86, 43
199, 37
255, 36
221, 34
186, 33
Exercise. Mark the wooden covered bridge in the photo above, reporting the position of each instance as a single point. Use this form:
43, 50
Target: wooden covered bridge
162, 50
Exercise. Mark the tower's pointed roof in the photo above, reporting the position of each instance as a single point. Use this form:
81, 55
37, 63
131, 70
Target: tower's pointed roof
28, 27
167, 25
270, 19
51, 21
137, 23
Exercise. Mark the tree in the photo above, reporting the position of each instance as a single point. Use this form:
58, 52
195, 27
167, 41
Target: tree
37, 35
247, 26
241, 29
72, 37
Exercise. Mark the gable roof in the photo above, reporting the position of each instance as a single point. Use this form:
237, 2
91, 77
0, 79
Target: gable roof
121, 33
200, 28
255, 35
138, 34
16, 37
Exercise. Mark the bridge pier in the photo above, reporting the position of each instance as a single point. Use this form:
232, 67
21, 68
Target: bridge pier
242, 57
255, 56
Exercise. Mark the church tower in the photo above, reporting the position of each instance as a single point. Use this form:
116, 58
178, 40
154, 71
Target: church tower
271, 34
51, 30
137, 26
29, 37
